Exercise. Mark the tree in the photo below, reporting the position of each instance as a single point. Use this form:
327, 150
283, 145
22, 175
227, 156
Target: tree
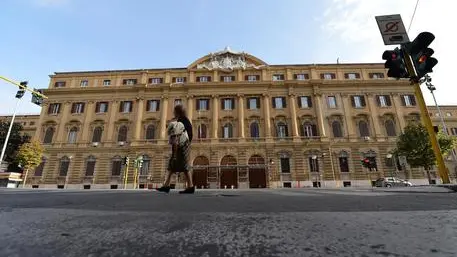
29, 156
16, 139
414, 143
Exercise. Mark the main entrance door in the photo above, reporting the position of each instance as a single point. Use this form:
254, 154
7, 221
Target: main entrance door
200, 172
229, 172
257, 172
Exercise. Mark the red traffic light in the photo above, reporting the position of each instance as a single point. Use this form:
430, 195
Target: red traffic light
366, 160
422, 59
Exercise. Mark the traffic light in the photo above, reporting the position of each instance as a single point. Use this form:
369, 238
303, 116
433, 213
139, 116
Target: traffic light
140, 161
37, 99
395, 64
20, 93
126, 160
421, 53
365, 163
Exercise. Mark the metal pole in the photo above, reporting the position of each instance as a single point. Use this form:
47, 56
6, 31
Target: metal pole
9, 130
444, 174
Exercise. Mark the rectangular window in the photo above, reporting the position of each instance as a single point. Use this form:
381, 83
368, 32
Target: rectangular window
54, 109
313, 164
126, 106
331, 101
301, 76
84, 83
153, 106
285, 165
358, 101
227, 132
376, 75
453, 131
253, 103
328, 76
106, 82
384, 101
179, 80
408, 100
279, 102
204, 79
304, 102
77, 108
59, 84
178, 102
228, 78
155, 80
278, 77
228, 104
129, 82
252, 77
202, 104
352, 75
101, 107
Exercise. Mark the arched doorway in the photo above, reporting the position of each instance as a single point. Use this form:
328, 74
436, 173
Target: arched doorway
229, 172
257, 172
200, 172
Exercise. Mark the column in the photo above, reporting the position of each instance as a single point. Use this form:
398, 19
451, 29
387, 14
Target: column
396, 102
215, 121
163, 118
65, 113
320, 116
348, 116
190, 107
113, 109
87, 119
374, 115
39, 126
138, 119
266, 110
293, 115
241, 116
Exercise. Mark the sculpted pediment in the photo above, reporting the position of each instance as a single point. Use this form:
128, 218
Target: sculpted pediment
227, 61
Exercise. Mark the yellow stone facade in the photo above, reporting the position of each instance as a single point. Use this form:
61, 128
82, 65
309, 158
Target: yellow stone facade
255, 124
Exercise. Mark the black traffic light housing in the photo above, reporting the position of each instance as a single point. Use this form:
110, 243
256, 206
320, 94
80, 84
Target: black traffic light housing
20, 93
37, 99
365, 163
125, 160
395, 64
421, 53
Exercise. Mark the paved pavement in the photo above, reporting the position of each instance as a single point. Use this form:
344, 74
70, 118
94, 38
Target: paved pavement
284, 222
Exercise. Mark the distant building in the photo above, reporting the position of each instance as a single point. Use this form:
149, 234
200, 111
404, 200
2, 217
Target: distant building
255, 124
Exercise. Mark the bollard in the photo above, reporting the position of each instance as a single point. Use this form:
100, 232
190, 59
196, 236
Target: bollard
233, 186
225, 187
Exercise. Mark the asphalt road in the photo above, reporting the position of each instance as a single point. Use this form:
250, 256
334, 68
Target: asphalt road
301, 222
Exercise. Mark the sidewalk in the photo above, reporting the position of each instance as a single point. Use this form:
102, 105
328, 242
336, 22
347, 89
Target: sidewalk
420, 189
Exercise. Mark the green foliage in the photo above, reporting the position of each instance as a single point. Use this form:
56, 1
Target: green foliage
414, 144
29, 155
15, 141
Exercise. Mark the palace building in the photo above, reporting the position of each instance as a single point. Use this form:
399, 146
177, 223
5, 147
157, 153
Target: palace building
256, 125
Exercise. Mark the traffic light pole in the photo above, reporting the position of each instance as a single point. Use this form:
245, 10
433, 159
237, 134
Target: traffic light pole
9, 130
444, 174
126, 174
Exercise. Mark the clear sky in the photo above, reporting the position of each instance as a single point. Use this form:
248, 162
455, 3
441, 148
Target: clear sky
39, 37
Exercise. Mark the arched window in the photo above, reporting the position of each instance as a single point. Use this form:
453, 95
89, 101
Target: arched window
390, 128
90, 166
97, 136
309, 130
227, 131
116, 166
282, 130
343, 161
39, 168
122, 134
64, 164
202, 131
254, 130
48, 135
363, 129
72, 135
336, 127
150, 132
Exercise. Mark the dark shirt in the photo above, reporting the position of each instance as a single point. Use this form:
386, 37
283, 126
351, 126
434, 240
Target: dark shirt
186, 122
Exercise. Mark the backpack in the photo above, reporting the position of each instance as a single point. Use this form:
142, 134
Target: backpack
177, 133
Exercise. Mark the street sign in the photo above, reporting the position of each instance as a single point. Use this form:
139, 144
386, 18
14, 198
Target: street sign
402, 160
392, 29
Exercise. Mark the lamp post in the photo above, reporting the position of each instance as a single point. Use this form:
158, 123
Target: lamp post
269, 165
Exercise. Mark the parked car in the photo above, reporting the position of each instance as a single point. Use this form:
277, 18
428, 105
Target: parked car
392, 182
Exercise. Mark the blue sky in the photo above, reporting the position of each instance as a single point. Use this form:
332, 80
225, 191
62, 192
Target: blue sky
44, 36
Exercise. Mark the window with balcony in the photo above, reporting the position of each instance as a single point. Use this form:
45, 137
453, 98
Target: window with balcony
304, 102
279, 102
309, 130
153, 105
